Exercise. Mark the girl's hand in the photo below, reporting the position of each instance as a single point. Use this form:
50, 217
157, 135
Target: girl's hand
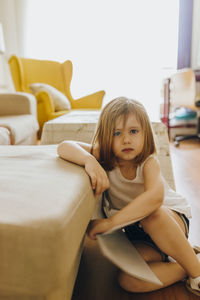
98, 176
98, 226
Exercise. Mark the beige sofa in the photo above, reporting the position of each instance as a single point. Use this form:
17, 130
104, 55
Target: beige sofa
18, 115
45, 206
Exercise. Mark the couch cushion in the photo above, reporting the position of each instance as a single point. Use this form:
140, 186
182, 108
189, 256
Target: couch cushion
60, 101
45, 206
20, 126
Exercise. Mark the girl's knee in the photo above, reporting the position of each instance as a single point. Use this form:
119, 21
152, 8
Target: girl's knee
154, 219
130, 284
134, 285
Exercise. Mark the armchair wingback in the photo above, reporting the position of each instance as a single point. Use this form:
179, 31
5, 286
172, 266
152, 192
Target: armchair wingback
27, 71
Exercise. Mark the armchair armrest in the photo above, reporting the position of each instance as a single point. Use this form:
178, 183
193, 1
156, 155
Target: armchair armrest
44, 100
45, 107
57, 114
17, 103
93, 101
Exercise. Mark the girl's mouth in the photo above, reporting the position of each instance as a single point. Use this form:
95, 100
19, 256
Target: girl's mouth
127, 150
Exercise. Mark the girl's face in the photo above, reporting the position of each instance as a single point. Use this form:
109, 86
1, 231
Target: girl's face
128, 138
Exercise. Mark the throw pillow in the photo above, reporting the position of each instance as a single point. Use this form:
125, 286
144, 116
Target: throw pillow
60, 101
4, 136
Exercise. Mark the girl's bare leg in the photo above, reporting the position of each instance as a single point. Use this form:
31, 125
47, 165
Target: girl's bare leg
167, 272
166, 229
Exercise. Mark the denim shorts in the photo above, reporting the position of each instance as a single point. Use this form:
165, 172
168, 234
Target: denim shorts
136, 233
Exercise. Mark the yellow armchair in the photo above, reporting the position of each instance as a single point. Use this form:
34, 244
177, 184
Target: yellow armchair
27, 71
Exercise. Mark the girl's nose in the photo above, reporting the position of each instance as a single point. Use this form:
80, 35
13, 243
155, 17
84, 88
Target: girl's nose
126, 138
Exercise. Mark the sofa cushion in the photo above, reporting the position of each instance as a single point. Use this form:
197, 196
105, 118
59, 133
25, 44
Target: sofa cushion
20, 126
60, 101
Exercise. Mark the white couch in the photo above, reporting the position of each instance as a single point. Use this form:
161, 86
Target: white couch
18, 114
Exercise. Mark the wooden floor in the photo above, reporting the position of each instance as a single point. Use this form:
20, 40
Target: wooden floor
96, 279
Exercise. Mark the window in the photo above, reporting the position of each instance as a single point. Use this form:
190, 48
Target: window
121, 46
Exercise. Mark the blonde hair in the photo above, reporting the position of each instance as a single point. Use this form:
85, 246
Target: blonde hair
103, 136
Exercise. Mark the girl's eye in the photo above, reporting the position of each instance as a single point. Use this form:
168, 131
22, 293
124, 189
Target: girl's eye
117, 133
134, 131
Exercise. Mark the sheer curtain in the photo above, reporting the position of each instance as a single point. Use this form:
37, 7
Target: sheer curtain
121, 46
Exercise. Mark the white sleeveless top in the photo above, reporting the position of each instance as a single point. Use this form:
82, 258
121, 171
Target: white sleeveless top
123, 190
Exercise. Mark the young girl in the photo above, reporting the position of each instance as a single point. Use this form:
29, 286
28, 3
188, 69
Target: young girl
122, 164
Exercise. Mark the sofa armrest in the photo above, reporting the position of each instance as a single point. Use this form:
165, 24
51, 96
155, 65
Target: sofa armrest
93, 101
17, 103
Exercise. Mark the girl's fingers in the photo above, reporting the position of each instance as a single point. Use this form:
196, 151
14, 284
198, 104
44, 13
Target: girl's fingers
92, 236
106, 184
99, 182
101, 186
98, 189
96, 185
93, 181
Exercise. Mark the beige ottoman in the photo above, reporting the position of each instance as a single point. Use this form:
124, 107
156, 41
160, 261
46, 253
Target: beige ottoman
45, 206
78, 125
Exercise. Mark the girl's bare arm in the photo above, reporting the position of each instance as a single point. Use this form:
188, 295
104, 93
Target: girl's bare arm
75, 152
80, 153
